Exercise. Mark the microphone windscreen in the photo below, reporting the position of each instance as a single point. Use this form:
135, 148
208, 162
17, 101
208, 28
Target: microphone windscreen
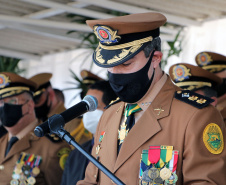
91, 101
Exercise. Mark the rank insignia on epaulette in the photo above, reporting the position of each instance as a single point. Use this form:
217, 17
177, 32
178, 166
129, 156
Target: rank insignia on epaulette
193, 98
213, 138
112, 103
54, 138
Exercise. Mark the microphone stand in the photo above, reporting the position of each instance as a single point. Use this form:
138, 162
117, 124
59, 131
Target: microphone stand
56, 123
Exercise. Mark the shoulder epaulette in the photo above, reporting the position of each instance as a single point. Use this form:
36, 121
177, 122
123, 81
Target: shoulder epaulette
112, 103
54, 138
192, 98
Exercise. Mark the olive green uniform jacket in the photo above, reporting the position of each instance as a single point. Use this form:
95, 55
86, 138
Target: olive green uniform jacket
50, 170
180, 125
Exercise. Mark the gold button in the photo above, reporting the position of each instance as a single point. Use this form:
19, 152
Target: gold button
1, 167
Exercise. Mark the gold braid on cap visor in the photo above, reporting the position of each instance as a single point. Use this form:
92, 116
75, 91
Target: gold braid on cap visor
134, 46
12, 90
214, 68
193, 85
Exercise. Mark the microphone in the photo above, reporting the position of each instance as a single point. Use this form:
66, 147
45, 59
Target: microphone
88, 104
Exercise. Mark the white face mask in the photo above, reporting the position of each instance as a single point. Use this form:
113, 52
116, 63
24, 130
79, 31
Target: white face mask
91, 119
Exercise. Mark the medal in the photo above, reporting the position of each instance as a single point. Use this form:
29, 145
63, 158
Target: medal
15, 176
153, 173
14, 182
35, 171
31, 180
153, 157
172, 180
122, 133
23, 182
145, 177
158, 180
165, 173
18, 170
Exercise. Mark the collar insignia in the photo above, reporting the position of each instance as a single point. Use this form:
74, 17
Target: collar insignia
181, 72
106, 35
204, 59
4, 80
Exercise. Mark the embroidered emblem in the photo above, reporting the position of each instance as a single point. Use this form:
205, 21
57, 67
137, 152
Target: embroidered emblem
101, 136
204, 59
117, 58
106, 35
122, 133
4, 80
213, 138
193, 98
160, 110
201, 101
181, 72
97, 149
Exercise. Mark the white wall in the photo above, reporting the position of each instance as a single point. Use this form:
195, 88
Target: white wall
211, 36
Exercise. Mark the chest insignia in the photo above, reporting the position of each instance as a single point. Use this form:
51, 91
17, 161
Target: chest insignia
122, 133
158, 165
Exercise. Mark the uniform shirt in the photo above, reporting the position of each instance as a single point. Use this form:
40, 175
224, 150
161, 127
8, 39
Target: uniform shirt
167, 121
50, 170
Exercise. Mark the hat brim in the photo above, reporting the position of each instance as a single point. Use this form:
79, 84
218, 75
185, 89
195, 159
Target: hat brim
105, 57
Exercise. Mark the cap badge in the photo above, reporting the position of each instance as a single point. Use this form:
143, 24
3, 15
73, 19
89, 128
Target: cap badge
4, 80
213, 138
106, 35
204, 59
181, 72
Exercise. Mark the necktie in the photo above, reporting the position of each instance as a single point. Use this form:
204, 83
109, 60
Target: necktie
10, 144
127, 125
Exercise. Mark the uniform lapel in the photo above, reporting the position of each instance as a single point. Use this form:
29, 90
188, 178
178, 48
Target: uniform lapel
20, 146
3, 144
112, 133
143, 130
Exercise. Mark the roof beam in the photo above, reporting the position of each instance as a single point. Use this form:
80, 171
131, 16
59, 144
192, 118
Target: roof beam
45, 23
67, 8
53, 12
133, 9
16, 54
51, 33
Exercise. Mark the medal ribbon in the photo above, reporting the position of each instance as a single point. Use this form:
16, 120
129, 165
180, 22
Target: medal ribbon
154, 154
173, 161
165, 156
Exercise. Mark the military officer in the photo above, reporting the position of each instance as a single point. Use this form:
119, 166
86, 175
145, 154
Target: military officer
155, 133
25, 158
215, 63
194, 78
46, 105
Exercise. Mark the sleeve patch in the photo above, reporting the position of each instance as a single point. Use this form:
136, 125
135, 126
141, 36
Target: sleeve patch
192, 98
213, 138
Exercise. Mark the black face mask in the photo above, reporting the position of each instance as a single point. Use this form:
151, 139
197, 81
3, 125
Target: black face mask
133, 86
221, 89
43, 110
10, 114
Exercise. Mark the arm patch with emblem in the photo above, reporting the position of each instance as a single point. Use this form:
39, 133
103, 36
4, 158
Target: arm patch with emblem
192, 98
